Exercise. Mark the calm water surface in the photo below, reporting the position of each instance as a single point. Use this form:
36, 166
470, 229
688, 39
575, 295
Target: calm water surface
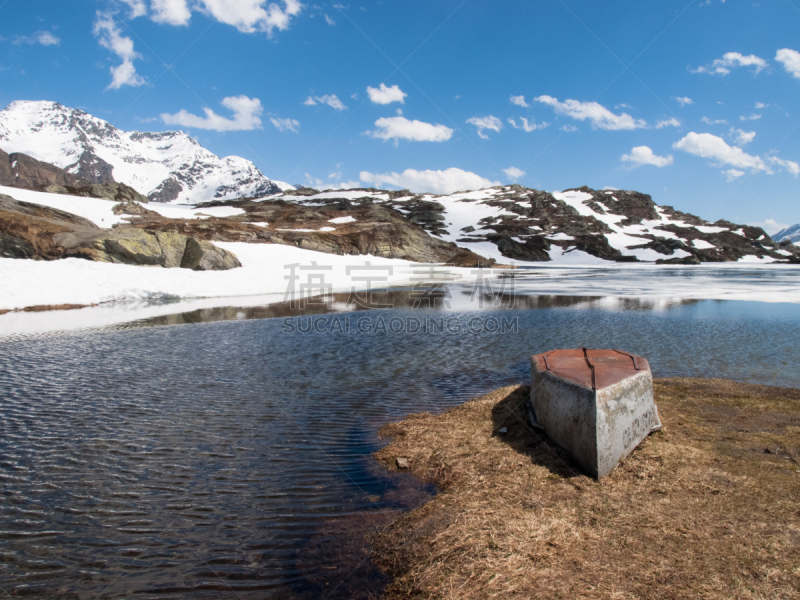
231, 459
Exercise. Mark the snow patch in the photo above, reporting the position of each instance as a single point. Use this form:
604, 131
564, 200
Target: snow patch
702, 245
342, 220
94, 209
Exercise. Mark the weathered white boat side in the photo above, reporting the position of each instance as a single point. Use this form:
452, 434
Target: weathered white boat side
596, 404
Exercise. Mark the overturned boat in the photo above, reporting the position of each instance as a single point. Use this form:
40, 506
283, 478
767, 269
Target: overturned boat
596, 404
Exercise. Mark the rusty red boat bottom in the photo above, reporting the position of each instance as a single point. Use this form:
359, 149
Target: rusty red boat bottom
596, 404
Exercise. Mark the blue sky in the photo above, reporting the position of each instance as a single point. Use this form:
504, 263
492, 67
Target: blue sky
695, 103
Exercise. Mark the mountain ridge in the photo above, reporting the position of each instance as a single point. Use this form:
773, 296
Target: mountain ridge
528, 225
791, 234
164, 166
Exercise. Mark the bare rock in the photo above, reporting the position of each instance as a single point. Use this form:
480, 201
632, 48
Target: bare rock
200, 255
21, 170
40, 233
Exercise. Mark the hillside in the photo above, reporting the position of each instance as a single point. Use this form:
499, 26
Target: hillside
790, 234
578, 225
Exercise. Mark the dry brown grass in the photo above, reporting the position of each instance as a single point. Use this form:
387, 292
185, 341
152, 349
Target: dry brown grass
709, 508
44, 307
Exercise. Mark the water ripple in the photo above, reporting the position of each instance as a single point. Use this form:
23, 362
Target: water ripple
228, 459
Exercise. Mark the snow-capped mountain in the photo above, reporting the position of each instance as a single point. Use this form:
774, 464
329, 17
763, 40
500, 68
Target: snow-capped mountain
579, 225
166, 167
791, 234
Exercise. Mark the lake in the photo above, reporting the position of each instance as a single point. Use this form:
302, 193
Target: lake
226, 453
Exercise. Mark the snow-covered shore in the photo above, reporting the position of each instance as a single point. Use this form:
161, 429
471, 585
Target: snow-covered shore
265, 270
128, 293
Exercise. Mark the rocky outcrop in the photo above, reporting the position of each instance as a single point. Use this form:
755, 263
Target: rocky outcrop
40, 233
375, 230
153, 248
115, 192
525, 224
23, 171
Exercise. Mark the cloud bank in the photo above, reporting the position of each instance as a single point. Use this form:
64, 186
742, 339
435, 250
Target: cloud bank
446, 181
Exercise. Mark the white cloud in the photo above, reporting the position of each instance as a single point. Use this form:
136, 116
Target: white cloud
671, 122
750, 118
731, 60
171, 12
400, 128
138, 8
514, 173
789, 165
330, 21
683, 101
483, 123
331, 100
721, 154
285, 124
760, 105
437, 182
245, 110
519, 101
346, 185
599, 115
732, 174
386, 95
771, 226
525, 126
790, 59
708, 121
715, 148
109, 36
742, 138
643, 155
319, 184
569, 128
45, 38
249, 16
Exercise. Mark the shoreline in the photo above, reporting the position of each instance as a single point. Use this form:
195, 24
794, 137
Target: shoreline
77, 281
47, 307
706, 507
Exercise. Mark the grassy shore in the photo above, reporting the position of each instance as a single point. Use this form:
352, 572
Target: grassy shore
709, 507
